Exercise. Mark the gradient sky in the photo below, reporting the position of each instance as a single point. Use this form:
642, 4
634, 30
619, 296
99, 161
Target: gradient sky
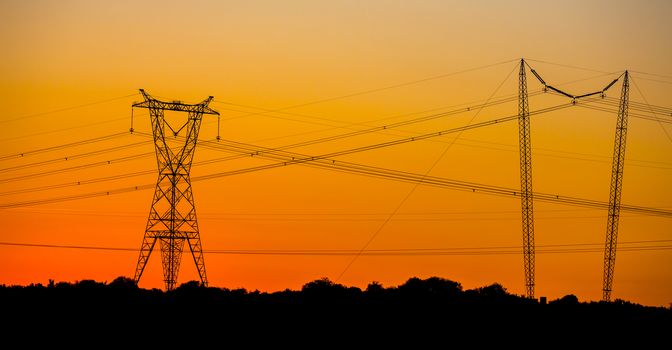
255, 55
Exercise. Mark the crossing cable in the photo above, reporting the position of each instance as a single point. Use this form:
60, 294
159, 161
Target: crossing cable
378, 173
67, 145
266, 110
67, 108
632, 246
415, 185
661, 110
651, 109
326, 161
611, 107
257, 152
295, 145
323, 161
213, 161
430, 181
76, 167
364, 92
657, 113
74, 156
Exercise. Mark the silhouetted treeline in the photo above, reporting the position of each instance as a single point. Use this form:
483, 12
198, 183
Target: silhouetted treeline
430, 307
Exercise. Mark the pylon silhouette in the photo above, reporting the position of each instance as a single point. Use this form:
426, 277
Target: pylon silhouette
172, 217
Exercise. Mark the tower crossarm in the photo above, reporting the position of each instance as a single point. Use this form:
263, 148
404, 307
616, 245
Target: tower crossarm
178, 106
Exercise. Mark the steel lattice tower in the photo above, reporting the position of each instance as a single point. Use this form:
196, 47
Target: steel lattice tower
526, 180
172, 217
615, 194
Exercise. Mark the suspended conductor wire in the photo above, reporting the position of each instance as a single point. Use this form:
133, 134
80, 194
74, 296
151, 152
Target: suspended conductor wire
67, 108
341, 166
207, 143
632, 246
67, 145
651, 109
364, 92
415, 186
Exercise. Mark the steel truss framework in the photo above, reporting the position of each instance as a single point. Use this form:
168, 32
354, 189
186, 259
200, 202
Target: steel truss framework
172, 217
615, 194
526, 193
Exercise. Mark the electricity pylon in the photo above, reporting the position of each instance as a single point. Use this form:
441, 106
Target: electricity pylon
526, 181
615, 194
172, 217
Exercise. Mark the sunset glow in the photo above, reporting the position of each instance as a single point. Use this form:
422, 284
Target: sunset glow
287, 72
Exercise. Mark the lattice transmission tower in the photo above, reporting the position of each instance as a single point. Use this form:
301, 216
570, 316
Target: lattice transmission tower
172, 217
615, 194
525, 146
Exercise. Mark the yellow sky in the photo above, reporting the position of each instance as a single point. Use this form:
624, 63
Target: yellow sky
254, 55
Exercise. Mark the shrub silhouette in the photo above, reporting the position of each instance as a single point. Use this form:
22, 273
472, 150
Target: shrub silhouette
431, 287
569, 299
493, 291
417, 306
122, 282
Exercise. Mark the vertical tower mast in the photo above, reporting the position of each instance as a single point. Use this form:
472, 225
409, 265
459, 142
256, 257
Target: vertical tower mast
526, 180
615, 194
172, 217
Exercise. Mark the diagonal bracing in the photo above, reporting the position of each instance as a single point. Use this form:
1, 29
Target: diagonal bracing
172, 217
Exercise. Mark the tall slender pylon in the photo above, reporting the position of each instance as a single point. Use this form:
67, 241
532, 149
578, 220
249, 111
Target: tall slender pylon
172, 217
615, 194
525, 146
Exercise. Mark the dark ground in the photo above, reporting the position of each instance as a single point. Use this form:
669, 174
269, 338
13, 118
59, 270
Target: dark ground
418, 313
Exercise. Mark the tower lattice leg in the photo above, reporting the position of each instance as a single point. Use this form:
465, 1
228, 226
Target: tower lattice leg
615, 193
526, 181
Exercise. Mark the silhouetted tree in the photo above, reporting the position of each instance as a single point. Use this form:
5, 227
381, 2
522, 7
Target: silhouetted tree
321, 284
89, 284
191, 285
122, 282
426, 306
493, 291
433, 286
325, 289
375, 287
569, 299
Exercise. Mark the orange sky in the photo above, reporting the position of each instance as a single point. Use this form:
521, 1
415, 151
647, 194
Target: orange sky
270, 55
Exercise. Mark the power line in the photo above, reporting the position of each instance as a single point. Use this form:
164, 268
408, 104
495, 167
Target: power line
239, 156
415, 185
652, 111
266, 110
74, 156
72, 168
355, 133
631, 114
137, 156
323, 161
258, 213
392, 125
613, 102
569, 66
67, 108
67, 145
482, 250
364, 92
78, 183
305, 143
42, 133
410, 177
311, 142
652, 74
